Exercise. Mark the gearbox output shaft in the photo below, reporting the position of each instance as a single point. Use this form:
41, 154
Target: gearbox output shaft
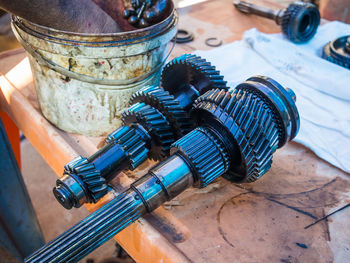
237, 134
299, 21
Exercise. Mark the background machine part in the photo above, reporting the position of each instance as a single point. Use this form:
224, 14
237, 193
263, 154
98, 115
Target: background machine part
157, 117
237, 135
143, 13
299, 21
338, 51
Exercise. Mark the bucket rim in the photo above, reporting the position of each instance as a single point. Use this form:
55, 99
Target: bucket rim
123, 35
100, 41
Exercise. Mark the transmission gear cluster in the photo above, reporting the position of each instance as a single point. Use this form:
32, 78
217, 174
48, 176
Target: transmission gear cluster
237, 133
156, 118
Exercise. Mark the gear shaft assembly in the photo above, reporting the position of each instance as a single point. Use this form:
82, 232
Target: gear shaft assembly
236, 137
299, 21
156, 118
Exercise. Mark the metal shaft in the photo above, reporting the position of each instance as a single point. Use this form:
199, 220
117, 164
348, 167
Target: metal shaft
249, 8
162, 183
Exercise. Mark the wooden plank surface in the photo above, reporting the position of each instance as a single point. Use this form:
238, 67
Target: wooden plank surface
225, 222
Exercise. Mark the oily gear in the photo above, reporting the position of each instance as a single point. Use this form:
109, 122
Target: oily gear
90, 177
254, 120
300, 21
132, 143
166, 103
178, 93
194, 71
338, 51
156, 126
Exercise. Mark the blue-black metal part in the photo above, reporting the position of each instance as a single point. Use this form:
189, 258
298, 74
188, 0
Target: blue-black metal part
86, 179
238, 133
338, 51
299, 21
20, 231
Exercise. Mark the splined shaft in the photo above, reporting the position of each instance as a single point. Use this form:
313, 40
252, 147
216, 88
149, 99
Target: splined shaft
236, 136
299, 21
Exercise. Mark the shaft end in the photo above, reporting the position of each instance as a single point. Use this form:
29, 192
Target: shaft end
242, 6
69, 192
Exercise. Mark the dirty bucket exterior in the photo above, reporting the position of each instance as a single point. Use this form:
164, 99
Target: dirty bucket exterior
84, 82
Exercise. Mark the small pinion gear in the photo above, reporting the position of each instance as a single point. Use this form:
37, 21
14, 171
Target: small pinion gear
132, 143
166, 103
155, 124
191, 70
300, 21
338, 51
90, 177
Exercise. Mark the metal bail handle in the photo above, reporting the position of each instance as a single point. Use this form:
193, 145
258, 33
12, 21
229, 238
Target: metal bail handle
59, 69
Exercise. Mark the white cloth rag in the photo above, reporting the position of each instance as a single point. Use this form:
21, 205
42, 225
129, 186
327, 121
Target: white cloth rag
321, 87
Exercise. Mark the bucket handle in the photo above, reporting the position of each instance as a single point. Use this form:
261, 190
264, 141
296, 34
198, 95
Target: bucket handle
55, 67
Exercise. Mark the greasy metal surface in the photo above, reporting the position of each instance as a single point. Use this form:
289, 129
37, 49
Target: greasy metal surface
74, 73
188, 227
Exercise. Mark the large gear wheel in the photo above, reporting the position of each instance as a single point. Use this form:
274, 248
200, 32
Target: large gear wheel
300, 21
190, 70
338, 51
252, 121
166, 103
155, 124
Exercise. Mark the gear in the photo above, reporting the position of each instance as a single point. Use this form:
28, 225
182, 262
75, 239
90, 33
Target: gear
251, 124
300, 21
155, 124
90, 177
167, 105
132, 142
252, 120
205, 153
338, 51
191, 70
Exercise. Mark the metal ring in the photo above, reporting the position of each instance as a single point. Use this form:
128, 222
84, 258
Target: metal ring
211, 42
187, 36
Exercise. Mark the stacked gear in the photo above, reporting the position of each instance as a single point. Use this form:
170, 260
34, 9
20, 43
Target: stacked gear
157, 117
237, 135
299, 21
338, 51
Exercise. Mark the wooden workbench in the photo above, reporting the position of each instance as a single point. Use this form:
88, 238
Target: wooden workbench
225, 222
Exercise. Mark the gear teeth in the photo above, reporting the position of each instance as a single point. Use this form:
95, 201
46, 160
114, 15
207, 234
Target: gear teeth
252, 124
194, 70
166, 103
155, 124
206, 154
292, 13
133, 144
90, 176
334, 51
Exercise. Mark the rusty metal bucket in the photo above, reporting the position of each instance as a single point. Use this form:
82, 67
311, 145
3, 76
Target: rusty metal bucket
83, 81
